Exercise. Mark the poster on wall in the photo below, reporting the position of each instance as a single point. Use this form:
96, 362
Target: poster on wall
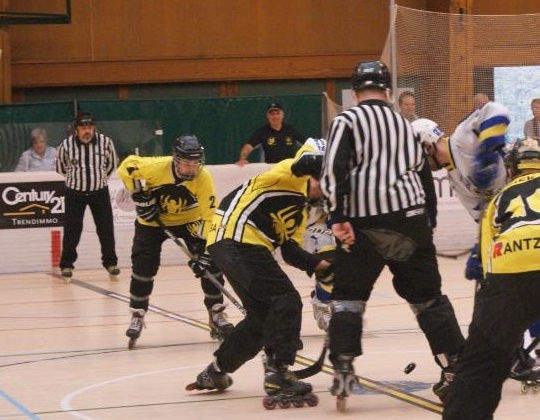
31, 204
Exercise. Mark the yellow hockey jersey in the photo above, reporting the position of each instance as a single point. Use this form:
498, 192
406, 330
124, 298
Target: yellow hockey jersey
268, 209
181, 201
510, 228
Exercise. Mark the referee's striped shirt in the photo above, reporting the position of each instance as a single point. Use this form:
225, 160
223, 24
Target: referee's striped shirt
86, 167
371, 163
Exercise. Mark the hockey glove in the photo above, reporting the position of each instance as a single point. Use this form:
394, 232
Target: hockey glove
326, 275
473, 268
201, 264
485, 168
146, 206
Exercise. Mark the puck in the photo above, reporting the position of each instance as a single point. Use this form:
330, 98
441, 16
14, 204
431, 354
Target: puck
409, 368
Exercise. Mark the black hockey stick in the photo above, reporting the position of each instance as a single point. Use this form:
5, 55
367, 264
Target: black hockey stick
206, 273
315, 367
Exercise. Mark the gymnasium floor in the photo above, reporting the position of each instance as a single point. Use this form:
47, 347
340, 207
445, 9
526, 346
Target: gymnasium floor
64, 355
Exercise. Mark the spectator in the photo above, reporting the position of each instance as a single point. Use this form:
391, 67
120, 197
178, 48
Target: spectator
532, 126
40, 156
407, 106
87, 159
278, 140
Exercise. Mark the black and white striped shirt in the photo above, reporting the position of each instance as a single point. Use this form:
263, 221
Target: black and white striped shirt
86, 167
371, 163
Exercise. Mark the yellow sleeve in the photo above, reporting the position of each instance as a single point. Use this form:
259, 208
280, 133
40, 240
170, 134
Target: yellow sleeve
208, 201
487, 232
128, 172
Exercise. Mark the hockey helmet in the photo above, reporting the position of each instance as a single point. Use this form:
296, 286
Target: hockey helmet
368, 74
188, 154
428, 130
309, 163
318, 145
524, 155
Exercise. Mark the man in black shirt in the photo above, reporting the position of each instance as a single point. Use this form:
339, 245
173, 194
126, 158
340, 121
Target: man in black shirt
87, 159
278, 140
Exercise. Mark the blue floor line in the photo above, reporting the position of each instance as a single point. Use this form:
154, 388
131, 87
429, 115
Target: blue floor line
18, 406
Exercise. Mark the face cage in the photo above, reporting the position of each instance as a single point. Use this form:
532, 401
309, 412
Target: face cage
188, 176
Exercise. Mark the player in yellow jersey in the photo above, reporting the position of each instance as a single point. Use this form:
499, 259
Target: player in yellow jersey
180, 191
267, 212
508, 300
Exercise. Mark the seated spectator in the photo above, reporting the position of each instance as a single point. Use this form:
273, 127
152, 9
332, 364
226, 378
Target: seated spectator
40, 156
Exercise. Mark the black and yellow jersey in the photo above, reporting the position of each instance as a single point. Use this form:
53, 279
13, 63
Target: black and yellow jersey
181, 201
269, 209
510, 228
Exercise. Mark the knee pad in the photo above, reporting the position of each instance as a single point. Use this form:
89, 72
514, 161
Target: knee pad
438, 321
355, 306
141, 286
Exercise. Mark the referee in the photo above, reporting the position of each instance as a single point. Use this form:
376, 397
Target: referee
374, 179
86, 159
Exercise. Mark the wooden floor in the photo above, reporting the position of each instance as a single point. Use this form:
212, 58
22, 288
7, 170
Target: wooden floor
63, 354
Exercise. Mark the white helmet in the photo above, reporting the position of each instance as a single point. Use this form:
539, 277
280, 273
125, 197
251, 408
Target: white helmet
428, 130
319, 145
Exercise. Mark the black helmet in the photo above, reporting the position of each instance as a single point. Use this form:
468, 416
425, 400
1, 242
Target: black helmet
84, 119
525, 154
188, 147
369, 74
309, 163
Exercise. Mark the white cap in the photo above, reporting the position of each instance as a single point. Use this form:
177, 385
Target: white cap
428, 130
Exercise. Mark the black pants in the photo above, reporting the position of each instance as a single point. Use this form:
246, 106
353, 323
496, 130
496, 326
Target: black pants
504, 307
273, 306
146, 259
402, 242
100, 206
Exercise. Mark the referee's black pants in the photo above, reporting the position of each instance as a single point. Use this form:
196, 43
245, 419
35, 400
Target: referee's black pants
273, 305
100, 206
504, 307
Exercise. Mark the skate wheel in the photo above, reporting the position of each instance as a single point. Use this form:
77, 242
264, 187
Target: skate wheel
298, 403
67, 280
524, 388
192, 387
131, 343
268, 403
535, 388
312, 400
284, 404
341, 403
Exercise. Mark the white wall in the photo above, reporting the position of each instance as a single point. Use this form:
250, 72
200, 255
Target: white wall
29, 249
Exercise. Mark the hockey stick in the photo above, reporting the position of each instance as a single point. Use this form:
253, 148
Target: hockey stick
315, 367
206, 273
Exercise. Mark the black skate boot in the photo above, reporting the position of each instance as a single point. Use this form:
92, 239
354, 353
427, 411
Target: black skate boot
219, 326
135, 326
447, 363
211, 378
283, 387
345, 381
526, 370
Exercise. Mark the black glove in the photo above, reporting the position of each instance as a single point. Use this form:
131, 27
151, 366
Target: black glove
201, 264
146, 206
326, 275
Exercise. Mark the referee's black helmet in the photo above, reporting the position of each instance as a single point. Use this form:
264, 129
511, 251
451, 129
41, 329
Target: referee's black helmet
371, 74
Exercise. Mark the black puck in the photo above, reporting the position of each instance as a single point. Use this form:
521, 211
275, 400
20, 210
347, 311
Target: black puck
409, 368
